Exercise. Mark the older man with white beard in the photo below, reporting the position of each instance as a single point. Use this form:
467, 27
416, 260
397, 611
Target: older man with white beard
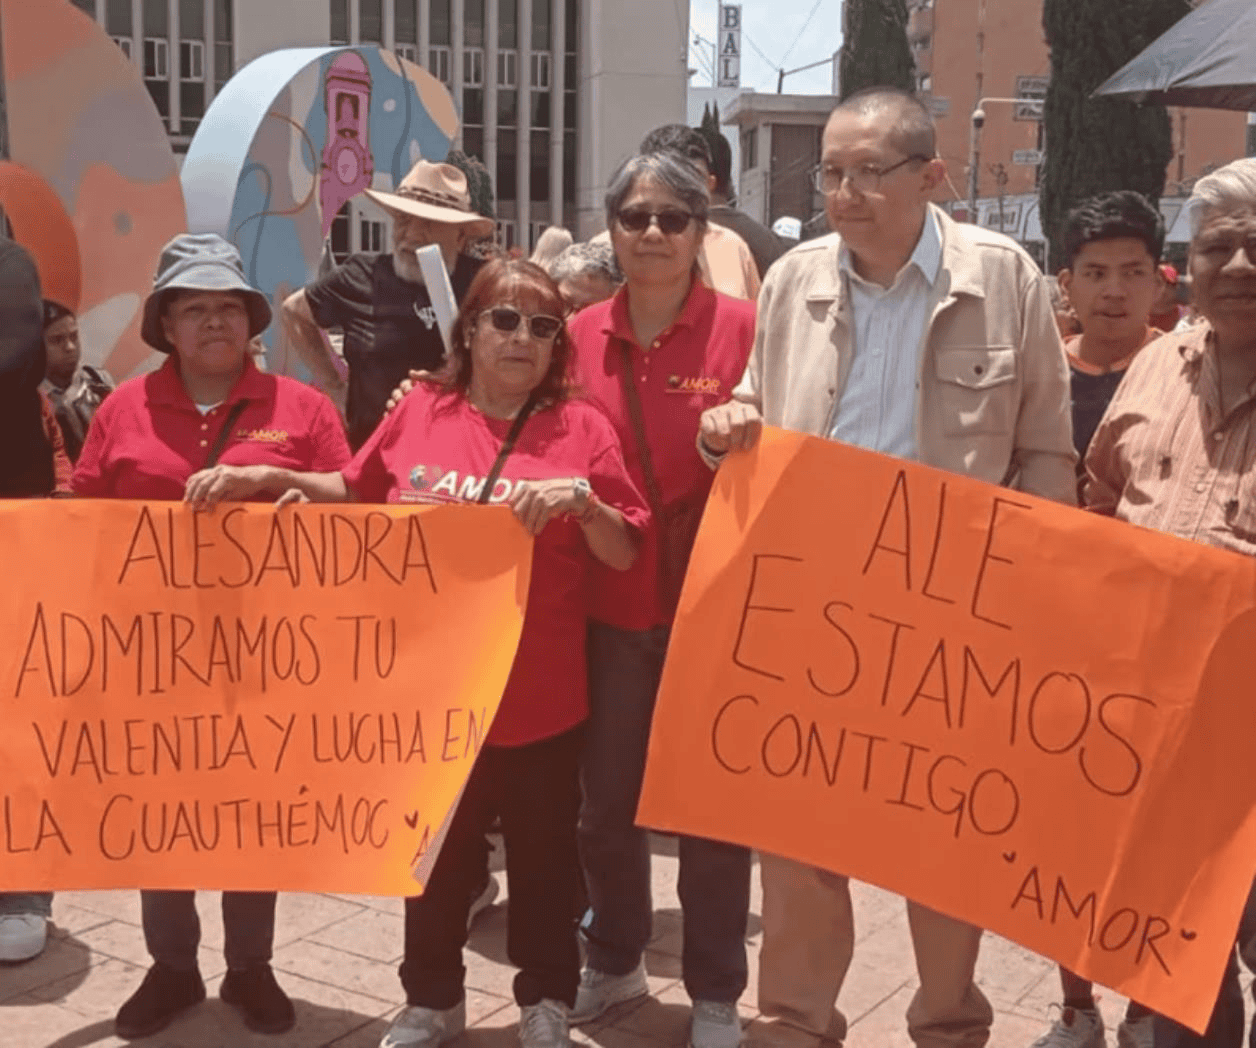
380, 300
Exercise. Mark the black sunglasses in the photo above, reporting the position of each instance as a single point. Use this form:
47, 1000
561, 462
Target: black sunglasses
507, 319
671, 221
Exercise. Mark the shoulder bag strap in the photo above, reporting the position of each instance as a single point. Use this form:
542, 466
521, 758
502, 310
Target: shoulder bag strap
508, 445
224, 434
637, 417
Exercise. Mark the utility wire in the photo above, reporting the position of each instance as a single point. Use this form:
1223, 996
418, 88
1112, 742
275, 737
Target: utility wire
814, 8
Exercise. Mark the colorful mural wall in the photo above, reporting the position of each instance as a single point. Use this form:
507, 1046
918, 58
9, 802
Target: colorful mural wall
271, 165
91, 186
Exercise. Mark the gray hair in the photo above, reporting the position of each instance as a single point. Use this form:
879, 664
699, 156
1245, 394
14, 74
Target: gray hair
670, 170
595, 258
550, 244
1228, 188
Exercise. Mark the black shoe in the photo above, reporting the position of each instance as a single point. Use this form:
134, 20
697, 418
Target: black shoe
164, 993
265, 1006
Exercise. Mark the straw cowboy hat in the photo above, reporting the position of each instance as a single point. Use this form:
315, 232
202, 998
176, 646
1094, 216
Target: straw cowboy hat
437, 192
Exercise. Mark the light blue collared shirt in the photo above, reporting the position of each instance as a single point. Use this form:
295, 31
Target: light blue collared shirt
877, 409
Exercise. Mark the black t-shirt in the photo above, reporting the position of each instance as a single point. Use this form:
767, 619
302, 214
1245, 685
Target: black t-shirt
389, 325
1091, 396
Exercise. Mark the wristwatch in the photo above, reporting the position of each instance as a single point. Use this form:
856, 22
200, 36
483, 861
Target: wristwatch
585, 492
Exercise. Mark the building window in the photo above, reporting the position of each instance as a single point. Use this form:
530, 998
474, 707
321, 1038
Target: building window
339, 22
124, 42
541, 71
508, 24
371, 21
473, 105
506, 235
409, 52
373, 235
508, 108
156, 59
540, 108
192, 60
191, 20
539, 165
440, 22
507, 68
224, 53
191, 106
472, 67
118, 18
541, 25
473, 22
438, 62
87, 6
506, 177
749, 149
405, 22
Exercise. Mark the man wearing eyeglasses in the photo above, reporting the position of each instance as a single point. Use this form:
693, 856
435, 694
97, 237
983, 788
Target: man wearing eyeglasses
906, 333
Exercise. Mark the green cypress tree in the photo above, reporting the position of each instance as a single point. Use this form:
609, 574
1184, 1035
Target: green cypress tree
479, 181
1094, 145
875, 51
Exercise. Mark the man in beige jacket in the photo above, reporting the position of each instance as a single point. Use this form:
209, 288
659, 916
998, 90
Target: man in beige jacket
906, 333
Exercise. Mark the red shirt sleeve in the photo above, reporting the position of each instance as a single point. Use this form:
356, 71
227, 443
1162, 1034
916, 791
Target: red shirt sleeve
61, 466
331, 446
608, 476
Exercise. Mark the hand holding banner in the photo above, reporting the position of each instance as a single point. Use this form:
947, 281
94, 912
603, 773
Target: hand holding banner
246, 699
1017, 713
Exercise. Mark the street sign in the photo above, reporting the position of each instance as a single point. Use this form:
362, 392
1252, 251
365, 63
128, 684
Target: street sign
729, 56
1027, 157
1028, 87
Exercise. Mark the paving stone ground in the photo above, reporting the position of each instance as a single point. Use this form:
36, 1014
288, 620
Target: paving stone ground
337, 957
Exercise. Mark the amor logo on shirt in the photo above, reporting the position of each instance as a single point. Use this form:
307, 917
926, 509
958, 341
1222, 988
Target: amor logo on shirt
430, 483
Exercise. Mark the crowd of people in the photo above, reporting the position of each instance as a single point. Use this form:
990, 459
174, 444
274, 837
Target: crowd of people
594, 389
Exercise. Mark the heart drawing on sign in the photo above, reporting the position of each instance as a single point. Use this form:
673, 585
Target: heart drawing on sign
1009, 856
1188, 935
412, 820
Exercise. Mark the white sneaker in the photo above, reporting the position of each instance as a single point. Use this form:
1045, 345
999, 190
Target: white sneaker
544, 1025
599, 991
1135, 1033
1075, 1028
482, 901
419, 1027
22, 936
714, 1025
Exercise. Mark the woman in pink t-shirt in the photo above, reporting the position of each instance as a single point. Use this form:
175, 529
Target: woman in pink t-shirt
499, 425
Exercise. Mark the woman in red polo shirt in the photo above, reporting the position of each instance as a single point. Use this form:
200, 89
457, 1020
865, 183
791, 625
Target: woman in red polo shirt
154, 438
499, 426
653, 358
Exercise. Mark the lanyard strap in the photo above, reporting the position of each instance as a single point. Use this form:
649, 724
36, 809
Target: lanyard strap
508, 445
637, 417
224, 434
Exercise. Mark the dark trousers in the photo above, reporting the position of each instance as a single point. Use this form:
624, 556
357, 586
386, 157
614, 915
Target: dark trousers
172, 928
625, 667
535, 789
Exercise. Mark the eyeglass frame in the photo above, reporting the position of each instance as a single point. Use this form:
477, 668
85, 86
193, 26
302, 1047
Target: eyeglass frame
525, 319
878, 172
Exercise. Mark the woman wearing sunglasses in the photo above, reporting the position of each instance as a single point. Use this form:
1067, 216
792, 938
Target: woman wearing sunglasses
498, 425
653, 358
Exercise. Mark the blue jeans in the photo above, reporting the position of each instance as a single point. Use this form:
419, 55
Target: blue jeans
12, 903
172, 929
1225, 1027
624, 671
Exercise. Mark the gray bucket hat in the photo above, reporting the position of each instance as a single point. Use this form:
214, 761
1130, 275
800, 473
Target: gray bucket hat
200, 262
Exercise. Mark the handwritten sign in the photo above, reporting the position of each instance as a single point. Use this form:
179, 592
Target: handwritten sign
246, 699
1017, 713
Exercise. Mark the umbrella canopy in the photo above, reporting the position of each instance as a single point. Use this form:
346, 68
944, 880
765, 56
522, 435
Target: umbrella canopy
1207, 60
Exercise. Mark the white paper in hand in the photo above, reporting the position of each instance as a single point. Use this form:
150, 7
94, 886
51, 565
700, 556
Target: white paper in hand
439, 290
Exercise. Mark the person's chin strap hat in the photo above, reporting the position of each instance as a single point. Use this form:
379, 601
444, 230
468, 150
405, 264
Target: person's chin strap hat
200, 262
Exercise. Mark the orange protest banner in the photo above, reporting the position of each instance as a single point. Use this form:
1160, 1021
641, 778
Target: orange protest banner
247, 699
1023, 715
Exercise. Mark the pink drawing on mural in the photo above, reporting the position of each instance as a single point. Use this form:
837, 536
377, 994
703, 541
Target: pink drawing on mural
347, 167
